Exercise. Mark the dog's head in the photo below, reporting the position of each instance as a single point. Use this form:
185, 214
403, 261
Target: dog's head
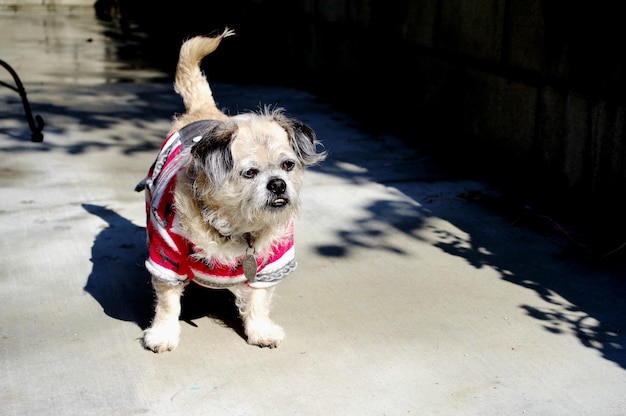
247, 171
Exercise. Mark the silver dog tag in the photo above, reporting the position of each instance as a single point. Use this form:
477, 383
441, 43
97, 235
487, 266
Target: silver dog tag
249, 267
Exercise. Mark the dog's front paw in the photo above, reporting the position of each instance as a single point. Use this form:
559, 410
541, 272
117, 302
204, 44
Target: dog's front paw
162, 337
264, 334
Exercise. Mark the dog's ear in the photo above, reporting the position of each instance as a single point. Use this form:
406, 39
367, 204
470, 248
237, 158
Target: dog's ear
303, 140
211, 154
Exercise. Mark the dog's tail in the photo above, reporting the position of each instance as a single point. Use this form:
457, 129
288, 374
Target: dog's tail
191, 83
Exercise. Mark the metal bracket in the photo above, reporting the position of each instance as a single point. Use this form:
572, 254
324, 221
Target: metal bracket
36, 124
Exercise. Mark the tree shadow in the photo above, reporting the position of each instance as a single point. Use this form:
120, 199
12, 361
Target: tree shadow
121, 284
487, 225
144, 108
583, 298
487, 228
370, 232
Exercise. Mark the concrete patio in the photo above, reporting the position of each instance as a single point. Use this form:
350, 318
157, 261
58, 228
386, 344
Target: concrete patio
414, 294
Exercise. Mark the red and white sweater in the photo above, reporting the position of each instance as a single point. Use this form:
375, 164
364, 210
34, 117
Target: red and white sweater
171, 255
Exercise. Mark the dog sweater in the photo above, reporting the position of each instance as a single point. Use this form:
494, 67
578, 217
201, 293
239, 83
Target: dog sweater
172, 257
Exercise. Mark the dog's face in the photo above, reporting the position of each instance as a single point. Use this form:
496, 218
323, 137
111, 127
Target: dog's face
247, 171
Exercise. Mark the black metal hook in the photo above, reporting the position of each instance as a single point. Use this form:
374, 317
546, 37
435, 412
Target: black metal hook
36, 124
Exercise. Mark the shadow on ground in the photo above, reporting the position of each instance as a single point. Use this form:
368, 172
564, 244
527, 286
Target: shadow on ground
584, 298
118, 279
144, 109
121, 284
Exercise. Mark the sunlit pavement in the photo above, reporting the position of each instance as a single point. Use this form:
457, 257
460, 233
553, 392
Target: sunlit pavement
412, 295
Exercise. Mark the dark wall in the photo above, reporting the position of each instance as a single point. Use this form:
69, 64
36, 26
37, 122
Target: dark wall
527, 93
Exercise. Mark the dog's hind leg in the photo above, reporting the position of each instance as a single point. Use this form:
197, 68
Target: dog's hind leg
164, 331
254, 309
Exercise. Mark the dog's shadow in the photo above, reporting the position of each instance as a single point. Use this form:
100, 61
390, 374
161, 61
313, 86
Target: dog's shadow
121, 284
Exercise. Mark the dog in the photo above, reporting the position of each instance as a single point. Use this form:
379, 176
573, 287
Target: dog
221, 198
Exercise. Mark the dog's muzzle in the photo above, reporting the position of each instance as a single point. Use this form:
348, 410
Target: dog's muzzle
277, 187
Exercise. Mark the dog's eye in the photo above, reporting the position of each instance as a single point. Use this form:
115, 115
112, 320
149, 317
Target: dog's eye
288, 165
250, 173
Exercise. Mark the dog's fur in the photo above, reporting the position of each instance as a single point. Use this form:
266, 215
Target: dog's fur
223, 197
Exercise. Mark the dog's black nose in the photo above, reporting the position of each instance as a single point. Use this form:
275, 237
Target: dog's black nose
277, 186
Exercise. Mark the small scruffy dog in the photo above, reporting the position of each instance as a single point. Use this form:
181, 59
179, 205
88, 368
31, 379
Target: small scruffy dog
220, 201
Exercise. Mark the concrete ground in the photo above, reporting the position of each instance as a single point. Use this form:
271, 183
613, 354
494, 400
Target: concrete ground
413, 294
